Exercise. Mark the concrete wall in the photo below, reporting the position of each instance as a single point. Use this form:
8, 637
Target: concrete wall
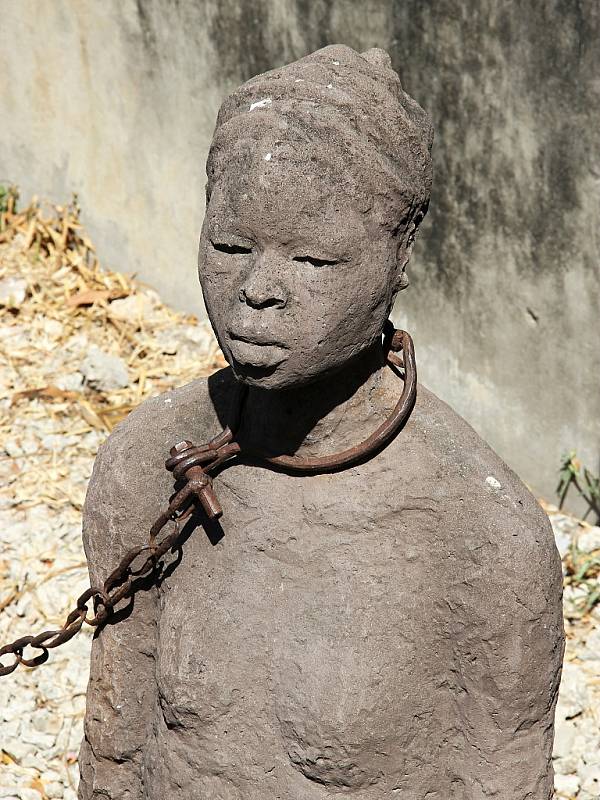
506, 301
116, 100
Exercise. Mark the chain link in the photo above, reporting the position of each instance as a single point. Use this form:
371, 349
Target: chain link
189, 464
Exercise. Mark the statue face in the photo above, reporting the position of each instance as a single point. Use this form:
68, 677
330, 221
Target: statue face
298, 276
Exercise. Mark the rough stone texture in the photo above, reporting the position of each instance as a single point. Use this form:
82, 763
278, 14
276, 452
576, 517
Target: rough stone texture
390, 629
395, 627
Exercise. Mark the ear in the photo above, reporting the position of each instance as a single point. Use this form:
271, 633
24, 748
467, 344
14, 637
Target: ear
403, 252
405, 246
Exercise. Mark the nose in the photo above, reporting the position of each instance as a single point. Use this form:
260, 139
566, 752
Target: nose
262, 289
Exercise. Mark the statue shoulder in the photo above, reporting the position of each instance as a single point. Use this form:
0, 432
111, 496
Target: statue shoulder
499, 574
144, 438
455, 454
129, 485
491, 505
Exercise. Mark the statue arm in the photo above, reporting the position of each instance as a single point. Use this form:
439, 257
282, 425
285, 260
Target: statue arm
121, 694
507, 657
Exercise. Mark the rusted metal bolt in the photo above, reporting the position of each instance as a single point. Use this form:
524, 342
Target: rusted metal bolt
180, 447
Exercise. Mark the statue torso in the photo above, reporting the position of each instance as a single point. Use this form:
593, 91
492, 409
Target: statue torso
314, 648
302, 638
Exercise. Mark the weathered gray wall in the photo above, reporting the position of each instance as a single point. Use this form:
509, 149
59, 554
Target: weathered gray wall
117, 99
506, 307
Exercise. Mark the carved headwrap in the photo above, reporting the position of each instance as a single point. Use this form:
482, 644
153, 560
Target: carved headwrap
350, 113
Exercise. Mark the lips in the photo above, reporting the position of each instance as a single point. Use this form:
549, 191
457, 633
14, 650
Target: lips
257, 351
256, 339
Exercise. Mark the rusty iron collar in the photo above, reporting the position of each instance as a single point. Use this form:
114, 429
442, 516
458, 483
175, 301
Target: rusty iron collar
192, 467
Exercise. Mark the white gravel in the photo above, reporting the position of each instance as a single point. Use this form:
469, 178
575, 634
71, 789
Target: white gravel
41, 711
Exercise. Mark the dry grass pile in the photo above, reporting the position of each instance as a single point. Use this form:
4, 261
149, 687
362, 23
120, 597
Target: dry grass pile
58, 308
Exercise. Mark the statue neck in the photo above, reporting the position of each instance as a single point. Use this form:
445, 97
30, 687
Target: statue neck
323, 417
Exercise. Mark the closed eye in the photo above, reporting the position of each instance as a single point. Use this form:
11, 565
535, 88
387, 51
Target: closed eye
231, 249
316, 262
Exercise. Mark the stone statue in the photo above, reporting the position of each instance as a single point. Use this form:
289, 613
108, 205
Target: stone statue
389, 630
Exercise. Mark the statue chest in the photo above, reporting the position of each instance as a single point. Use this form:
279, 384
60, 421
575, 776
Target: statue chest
305, 627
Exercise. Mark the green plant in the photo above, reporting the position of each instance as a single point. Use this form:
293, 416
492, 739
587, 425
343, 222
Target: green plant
8, 199
582, 570
573, 474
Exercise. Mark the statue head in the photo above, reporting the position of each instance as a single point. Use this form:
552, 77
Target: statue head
319, 174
